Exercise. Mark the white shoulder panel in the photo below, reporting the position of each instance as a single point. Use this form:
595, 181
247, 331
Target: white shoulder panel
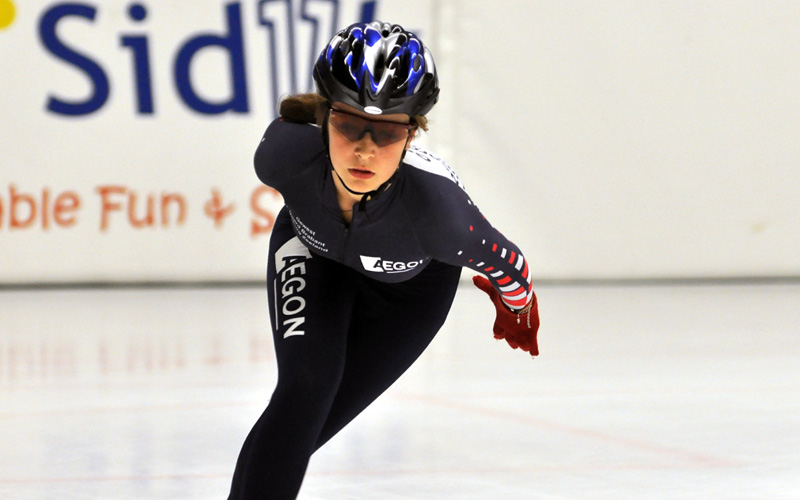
425, 160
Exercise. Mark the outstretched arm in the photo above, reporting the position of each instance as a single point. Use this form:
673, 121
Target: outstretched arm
457, 233
472, 242
509, 284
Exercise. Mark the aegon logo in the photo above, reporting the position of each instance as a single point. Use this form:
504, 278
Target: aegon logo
290, 269
319, 22
379, 265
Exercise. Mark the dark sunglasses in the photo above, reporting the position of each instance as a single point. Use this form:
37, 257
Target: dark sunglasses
354, 127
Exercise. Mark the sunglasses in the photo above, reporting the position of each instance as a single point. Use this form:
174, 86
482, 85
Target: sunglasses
354, 127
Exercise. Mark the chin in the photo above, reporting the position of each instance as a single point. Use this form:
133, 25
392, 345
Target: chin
362, 186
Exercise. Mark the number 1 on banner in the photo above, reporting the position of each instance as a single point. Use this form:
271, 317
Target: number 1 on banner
287, 24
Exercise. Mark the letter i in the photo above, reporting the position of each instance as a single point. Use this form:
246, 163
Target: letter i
141, 62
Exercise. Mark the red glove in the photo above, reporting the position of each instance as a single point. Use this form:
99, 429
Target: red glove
519, 330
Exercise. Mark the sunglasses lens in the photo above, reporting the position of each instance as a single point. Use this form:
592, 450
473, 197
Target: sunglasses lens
354, 128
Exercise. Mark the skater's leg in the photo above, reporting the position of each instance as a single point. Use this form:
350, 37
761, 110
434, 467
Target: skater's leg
310, 300
392, 325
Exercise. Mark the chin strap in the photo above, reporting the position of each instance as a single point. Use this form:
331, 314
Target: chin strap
348, 187
369, 194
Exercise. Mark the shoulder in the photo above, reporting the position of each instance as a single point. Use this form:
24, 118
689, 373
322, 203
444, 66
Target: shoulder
435, 194
429, 168
286, 149
288, 137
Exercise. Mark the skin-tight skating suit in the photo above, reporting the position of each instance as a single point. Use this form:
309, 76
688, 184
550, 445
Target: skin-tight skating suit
353, 306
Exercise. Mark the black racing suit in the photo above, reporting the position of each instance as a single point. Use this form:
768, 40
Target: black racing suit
353, 306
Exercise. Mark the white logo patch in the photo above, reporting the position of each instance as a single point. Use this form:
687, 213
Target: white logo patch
379, 265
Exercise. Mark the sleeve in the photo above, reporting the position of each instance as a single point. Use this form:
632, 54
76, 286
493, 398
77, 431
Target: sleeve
459, 234
285, 152
484, 249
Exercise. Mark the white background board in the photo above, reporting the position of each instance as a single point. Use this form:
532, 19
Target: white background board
611, 140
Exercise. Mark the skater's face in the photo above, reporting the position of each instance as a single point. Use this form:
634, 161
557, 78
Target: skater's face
365, 150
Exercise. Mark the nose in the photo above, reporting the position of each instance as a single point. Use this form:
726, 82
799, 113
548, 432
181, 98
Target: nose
366, 147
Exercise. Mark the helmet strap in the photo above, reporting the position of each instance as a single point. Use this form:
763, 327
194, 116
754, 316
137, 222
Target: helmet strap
359, 193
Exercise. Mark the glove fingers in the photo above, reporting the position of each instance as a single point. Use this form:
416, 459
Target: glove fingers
499, 333
512, 341
530, 345
483, 284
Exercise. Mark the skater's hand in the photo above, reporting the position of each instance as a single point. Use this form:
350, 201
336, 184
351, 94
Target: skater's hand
518, 329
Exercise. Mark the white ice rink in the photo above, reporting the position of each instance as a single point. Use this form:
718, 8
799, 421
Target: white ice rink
641, 392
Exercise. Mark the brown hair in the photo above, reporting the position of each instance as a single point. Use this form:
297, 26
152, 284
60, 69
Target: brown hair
311, 108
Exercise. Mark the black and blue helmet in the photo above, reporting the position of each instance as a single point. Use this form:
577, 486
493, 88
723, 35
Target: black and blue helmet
379, 68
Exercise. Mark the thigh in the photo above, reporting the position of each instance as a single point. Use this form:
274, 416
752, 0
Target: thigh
310, 298
392, 325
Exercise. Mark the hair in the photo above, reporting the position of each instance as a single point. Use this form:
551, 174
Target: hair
312, 108
304, 108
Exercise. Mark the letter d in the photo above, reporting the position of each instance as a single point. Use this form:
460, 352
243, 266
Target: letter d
233, 43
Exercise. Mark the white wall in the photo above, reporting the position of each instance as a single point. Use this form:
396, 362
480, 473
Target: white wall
607, 139
633, 139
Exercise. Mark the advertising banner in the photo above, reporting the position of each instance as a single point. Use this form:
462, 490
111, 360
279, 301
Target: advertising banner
634, 140
127, 131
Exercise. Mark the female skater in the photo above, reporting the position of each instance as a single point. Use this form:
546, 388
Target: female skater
365, 257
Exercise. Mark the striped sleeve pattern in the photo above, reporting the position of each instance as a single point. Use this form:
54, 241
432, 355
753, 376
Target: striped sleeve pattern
507, 270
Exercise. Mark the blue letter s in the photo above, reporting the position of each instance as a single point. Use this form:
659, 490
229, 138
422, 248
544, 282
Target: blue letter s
47, 31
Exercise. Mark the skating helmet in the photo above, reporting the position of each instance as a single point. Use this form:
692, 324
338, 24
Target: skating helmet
379, 68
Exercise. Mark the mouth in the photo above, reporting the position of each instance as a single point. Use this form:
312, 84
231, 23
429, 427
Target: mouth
360, 173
